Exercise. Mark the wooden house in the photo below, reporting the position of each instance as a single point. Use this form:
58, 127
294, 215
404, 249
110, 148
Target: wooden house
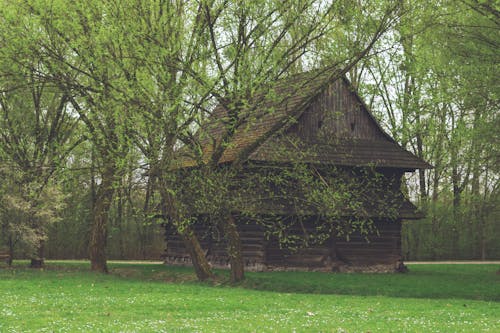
318, 122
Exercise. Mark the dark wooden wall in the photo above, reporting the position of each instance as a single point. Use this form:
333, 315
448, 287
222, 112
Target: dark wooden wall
261, 254
253, 246
381, 249
337, 114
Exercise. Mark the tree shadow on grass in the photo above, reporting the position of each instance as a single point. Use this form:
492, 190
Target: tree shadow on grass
474, 282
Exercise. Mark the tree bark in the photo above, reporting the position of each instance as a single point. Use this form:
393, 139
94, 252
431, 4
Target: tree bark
455, 178
234, 249
119, 222
198, 258
11, 251
38, 261
483, 246
98, 235
421, 172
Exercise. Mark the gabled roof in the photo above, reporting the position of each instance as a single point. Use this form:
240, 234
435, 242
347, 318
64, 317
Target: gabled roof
261, 136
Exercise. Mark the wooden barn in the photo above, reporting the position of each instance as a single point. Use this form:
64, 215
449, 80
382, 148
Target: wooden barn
327, 125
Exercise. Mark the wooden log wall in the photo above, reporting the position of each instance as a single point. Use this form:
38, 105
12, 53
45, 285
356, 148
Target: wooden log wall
384, 248
262, 254
214, 245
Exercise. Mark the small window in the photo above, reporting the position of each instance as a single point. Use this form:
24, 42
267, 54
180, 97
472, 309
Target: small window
320, 123
352, 127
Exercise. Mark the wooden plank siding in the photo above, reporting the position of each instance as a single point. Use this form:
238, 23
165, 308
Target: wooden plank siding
261, 253
336, 114
214, 246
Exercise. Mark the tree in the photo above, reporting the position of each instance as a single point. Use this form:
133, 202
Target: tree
36, 136
75, 56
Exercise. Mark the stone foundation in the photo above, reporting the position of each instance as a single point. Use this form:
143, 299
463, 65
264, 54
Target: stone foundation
336, 267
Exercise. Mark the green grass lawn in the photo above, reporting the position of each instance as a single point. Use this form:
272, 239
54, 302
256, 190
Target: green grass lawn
65, 297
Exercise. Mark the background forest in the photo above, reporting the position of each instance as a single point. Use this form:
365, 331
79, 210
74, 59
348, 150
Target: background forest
96, 97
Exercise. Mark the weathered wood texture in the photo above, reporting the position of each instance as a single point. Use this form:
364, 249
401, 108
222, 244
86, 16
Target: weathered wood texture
5, 257
214, 245
337, 113
276, 189
384, 248
336, 128
261, 253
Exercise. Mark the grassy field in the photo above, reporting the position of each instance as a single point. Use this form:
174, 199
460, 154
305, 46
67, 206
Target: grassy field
65, 297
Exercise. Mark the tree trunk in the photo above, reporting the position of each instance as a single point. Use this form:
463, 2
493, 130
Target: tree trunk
457, 218
475, 211
455, 178
234, 249
483, 248
98, 235
119, 222
11, 251
38, 261
421, 172
435, 184
198, 258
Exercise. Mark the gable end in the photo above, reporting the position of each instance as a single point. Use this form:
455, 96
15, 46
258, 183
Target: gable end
337, 113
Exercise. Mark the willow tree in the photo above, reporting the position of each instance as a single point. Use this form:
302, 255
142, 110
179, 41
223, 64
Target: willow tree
122, 68
37, 134
162, 44
71, 43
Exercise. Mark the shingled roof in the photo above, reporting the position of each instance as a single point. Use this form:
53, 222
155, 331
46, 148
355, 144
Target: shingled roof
354, 152
261, 135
